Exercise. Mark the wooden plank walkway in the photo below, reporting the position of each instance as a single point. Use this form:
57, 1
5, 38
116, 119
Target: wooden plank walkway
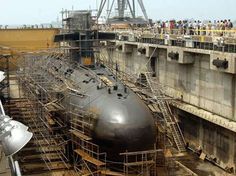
80, 135
88, 158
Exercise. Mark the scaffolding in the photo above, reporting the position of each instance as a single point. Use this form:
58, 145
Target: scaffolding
88, 159
5, 84
43, 113
140, 163
59, 125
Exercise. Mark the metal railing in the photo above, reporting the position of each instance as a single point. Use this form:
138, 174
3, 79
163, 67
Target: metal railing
188, 31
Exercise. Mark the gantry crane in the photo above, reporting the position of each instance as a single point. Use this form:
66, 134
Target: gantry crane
122, 6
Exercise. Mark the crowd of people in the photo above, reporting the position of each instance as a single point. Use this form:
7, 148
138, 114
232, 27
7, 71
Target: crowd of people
192, 27
181, 27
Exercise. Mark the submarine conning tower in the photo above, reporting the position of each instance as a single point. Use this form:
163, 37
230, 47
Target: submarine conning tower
77, 38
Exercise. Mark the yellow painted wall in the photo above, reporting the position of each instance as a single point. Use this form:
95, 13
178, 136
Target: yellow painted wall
28, 39
23, 40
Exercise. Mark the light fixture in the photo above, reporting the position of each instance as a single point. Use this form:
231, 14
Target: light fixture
18, 124
13, 135
2, 76
15, 140
6, 120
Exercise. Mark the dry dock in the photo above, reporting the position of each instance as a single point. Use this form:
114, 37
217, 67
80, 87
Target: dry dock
197, 75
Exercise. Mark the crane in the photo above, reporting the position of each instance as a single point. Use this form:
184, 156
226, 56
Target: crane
121, 7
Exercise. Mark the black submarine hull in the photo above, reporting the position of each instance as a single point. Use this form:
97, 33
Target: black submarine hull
124, 123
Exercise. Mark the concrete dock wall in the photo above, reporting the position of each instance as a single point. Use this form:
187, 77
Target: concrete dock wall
217, 142
195, 81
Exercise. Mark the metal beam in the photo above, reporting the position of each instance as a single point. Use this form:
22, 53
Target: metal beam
101, 7
134, 10
121, 8
109, 13
131, 10
143, 9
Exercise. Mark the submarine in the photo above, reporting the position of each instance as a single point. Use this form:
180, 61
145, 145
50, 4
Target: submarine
124, 122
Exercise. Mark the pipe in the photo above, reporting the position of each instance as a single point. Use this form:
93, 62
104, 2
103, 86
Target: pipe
12, 165
17, 169
1, 108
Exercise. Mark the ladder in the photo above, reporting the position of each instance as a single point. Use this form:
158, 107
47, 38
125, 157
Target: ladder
168, 116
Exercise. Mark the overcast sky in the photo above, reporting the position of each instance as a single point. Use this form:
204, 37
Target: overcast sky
46, 11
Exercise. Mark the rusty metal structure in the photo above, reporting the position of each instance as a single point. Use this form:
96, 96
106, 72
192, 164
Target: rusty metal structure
42, 113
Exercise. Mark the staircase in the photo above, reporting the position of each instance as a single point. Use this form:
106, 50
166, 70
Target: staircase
168, 116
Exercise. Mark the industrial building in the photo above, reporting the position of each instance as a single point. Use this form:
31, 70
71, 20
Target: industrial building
119, 100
